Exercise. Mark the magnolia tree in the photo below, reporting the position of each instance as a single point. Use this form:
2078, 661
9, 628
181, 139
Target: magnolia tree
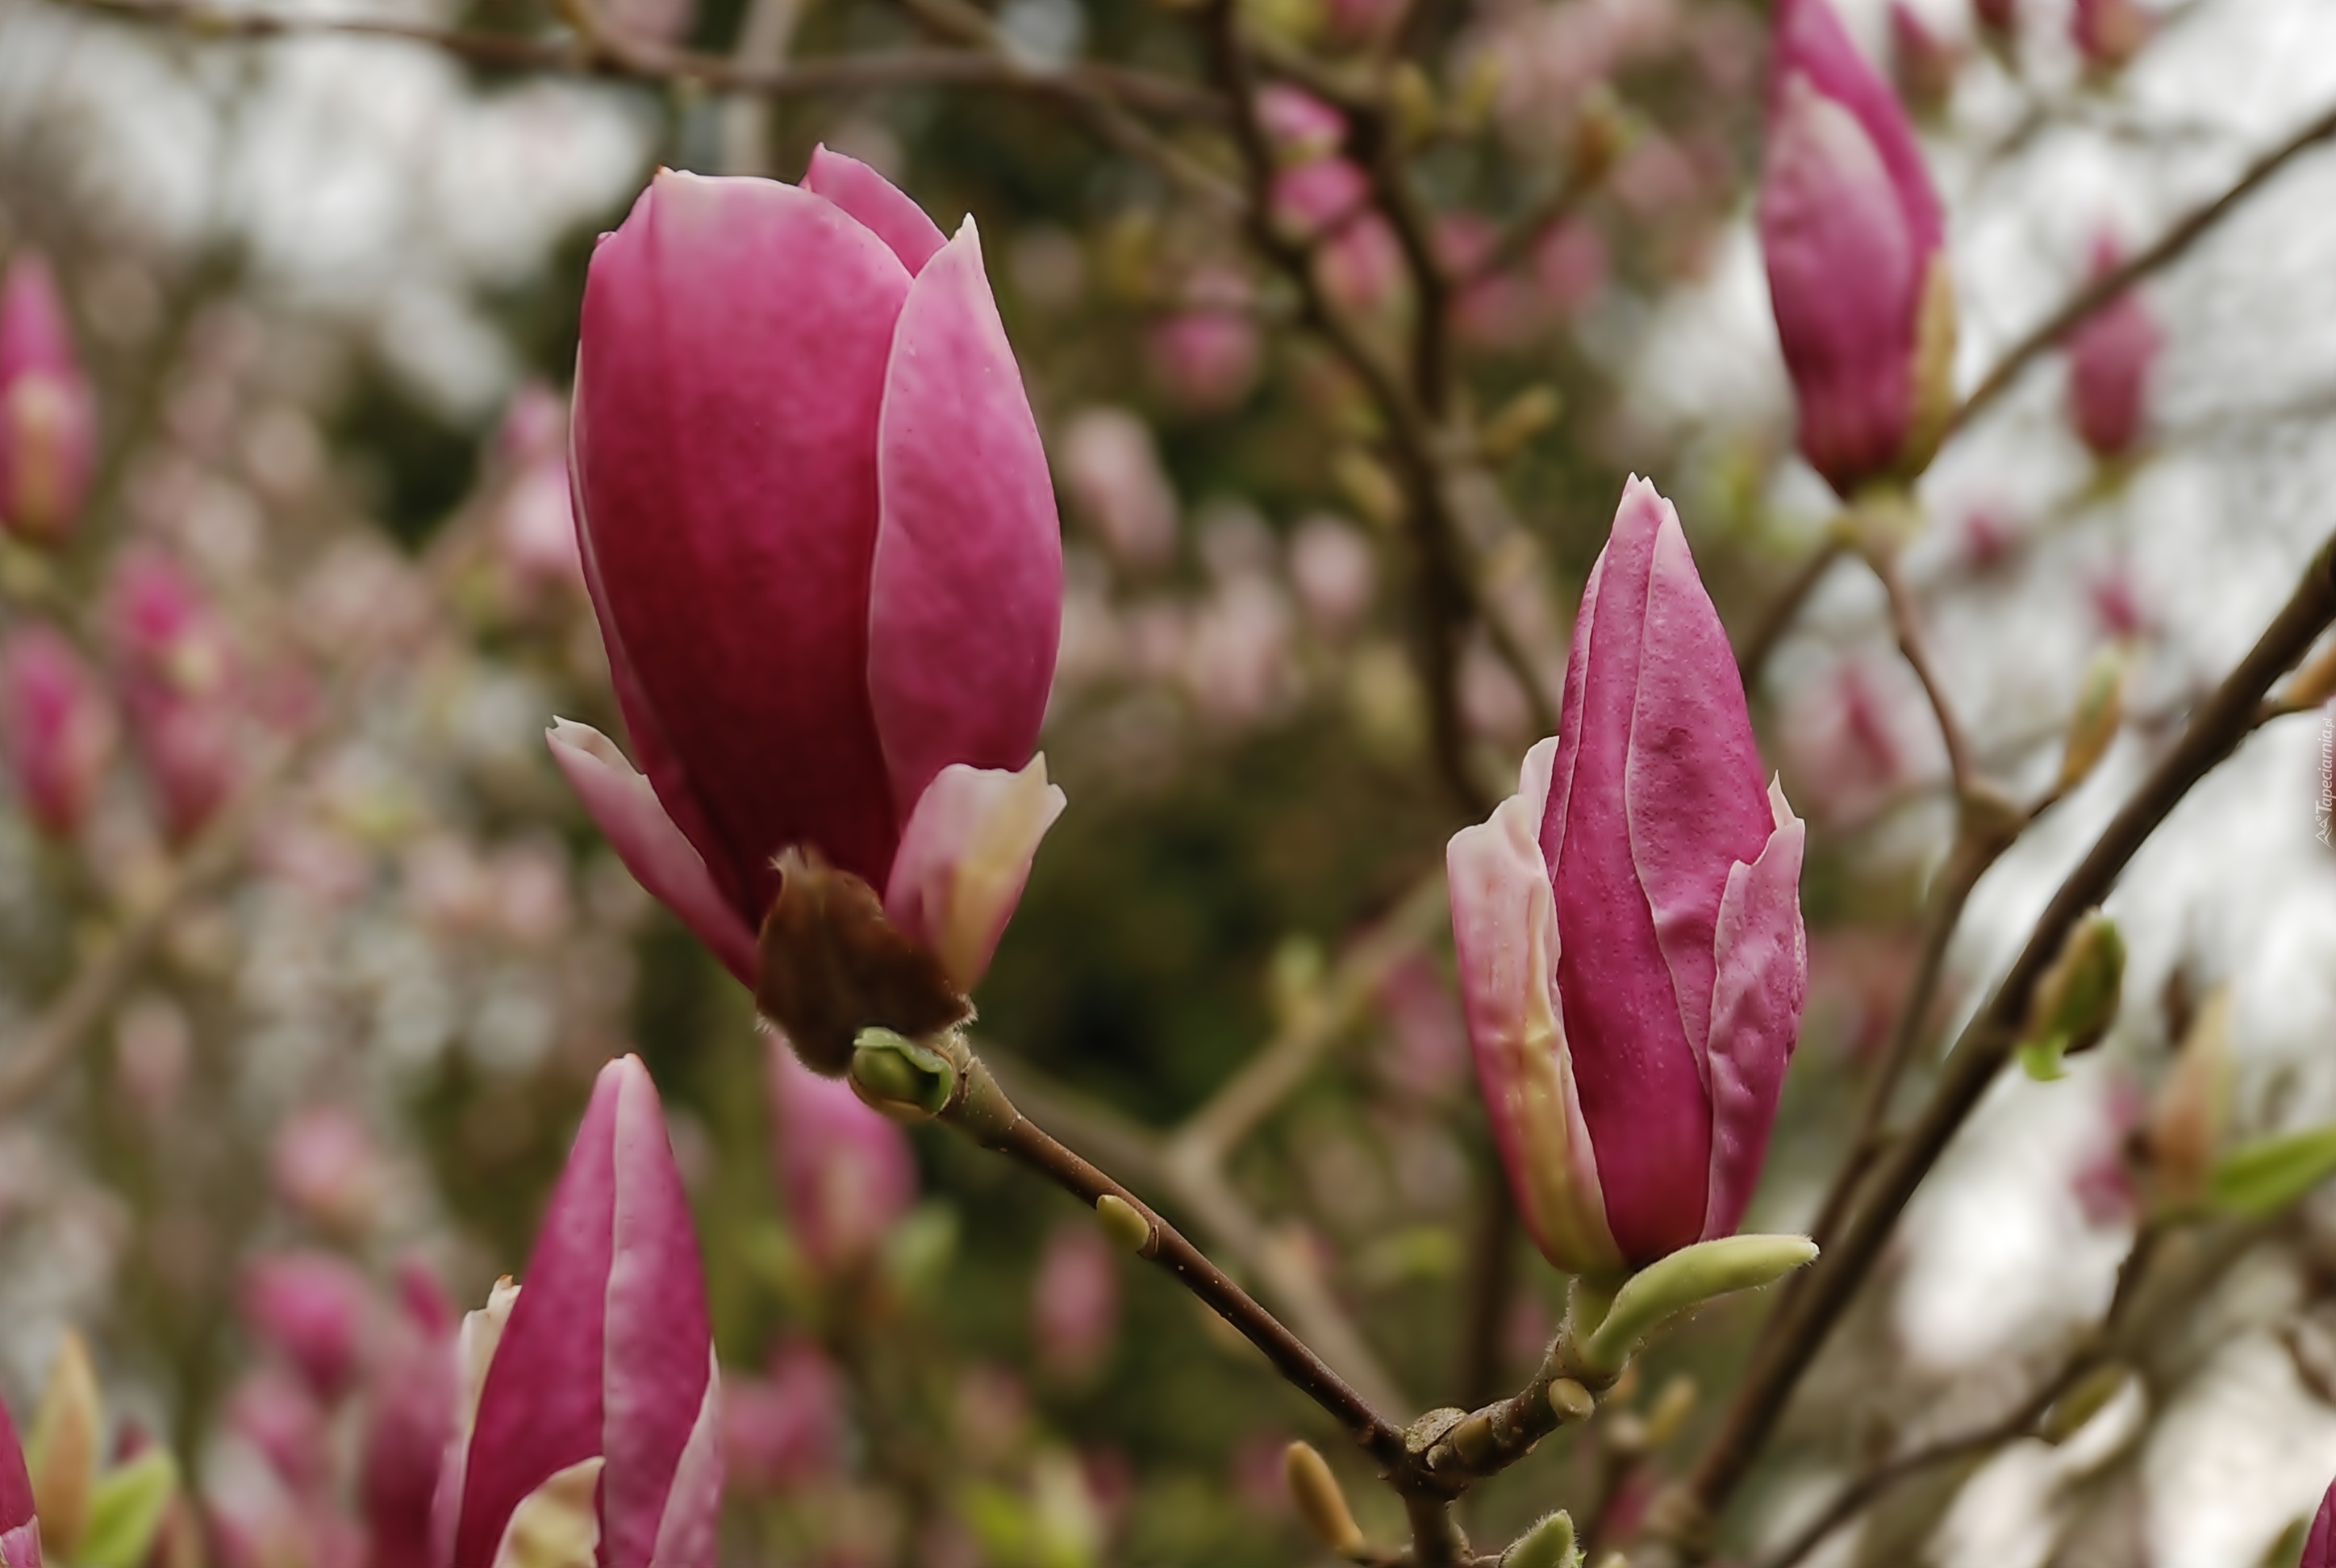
1934, 1177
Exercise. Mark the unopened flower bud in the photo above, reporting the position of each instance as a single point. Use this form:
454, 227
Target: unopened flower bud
2076, 1000
311, 1307
899, 1076
2093, 724
1685, 1279
1320, 1501
1548, 1545
56, 727
1123, 1223
2191, 1108
2111, 354
48, 419
68, 1428
20, 1527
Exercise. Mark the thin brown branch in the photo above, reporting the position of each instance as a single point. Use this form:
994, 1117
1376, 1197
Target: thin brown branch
1807, 1320
1906, 625
2169, 247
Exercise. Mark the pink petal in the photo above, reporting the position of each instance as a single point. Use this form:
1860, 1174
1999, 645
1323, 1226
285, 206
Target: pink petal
658, 1368
693, 1507
1504, 936
21, 1547
1811, 42
542, 1408
15, 1487
48, 415
1635, 1067
1761, 954
735, 334
2319, 1546
1696, 803
965, 858
1845, 276
644, 838
876, 202
967, 599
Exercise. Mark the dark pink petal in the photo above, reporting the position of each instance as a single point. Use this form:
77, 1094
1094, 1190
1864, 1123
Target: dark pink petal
542, 1408
48, 416
1695, 800
312, 1307
657, 1367
1811, 42
1762, 956
1845, 279
693, 1503
1635, 1068
56, 728
1504, 938
666, 865
2110, 358
735, 340
877, 202
15, 1488
967, 600
2319, 1546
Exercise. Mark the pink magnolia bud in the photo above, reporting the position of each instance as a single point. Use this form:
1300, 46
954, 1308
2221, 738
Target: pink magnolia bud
2319, 1546
1205, 357
2109, 33
1628, 926
20, 1531
1327, 203
325, 1168
845, 1170
176, 671
1299, 127
2110, 356
1075, 1301
406, 1431
311, 1307
48, 420
1857, 272
56, 726
786, 1429
594, 1416
802, 446
1924, 63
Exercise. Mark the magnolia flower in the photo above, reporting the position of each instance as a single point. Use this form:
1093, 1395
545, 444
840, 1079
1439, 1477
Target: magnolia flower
48, 420
1856, 247
176, 671
2110, 356
20, 1531
1628, 926
2319, 1546
55, 726
311, 1307
589, 1426
820, 534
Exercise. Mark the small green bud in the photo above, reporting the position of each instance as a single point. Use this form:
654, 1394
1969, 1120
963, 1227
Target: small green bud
2076, 999
1548, 1545
899, 1076
1686, 1278
1123, 1223
1320, 1501
2099, 711
1571, 1401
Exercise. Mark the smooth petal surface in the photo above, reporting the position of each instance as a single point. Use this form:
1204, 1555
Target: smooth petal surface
734, 341
845, 1170
1504, 932
1761, 954
967, 591
1810, 41
664, 861
878, 203
1635, 1067
555, 1525
16, 1495
692, 1505
2319, 1546
607, 1351
965, 858
658, 1368
1844, 279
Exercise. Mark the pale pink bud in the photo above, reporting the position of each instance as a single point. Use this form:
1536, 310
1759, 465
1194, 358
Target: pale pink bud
1111, 469
594, 1413
1075, 1301
1854, 243
2109, 33
1299, 127
1328, 203
801, 444
1628, 926
1205, 356
20, 1531
2111, 354
786, 1430
176, 670
56, 726
846, 1171
311, 1307
48, 419
326, 1168
1924, 63
1335, 572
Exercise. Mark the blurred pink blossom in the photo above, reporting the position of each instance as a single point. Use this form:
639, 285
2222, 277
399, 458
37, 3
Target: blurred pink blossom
1299, 127
785, 1429
48, 418
1111, 470
2111, 355
1327, 203
1570, 264
1924, 61
1075, 1301
175, 669
1237, 659
1857, 736
845, 1170
1335, 572
326, 1170
311, 1308
1428, 1038
1205, 355
280, 1416
408, 1425
57, 727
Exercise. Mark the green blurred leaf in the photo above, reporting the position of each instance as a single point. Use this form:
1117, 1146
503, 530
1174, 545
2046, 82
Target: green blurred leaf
125, 1512
2267, 1175
2041, 1060
918, 1251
